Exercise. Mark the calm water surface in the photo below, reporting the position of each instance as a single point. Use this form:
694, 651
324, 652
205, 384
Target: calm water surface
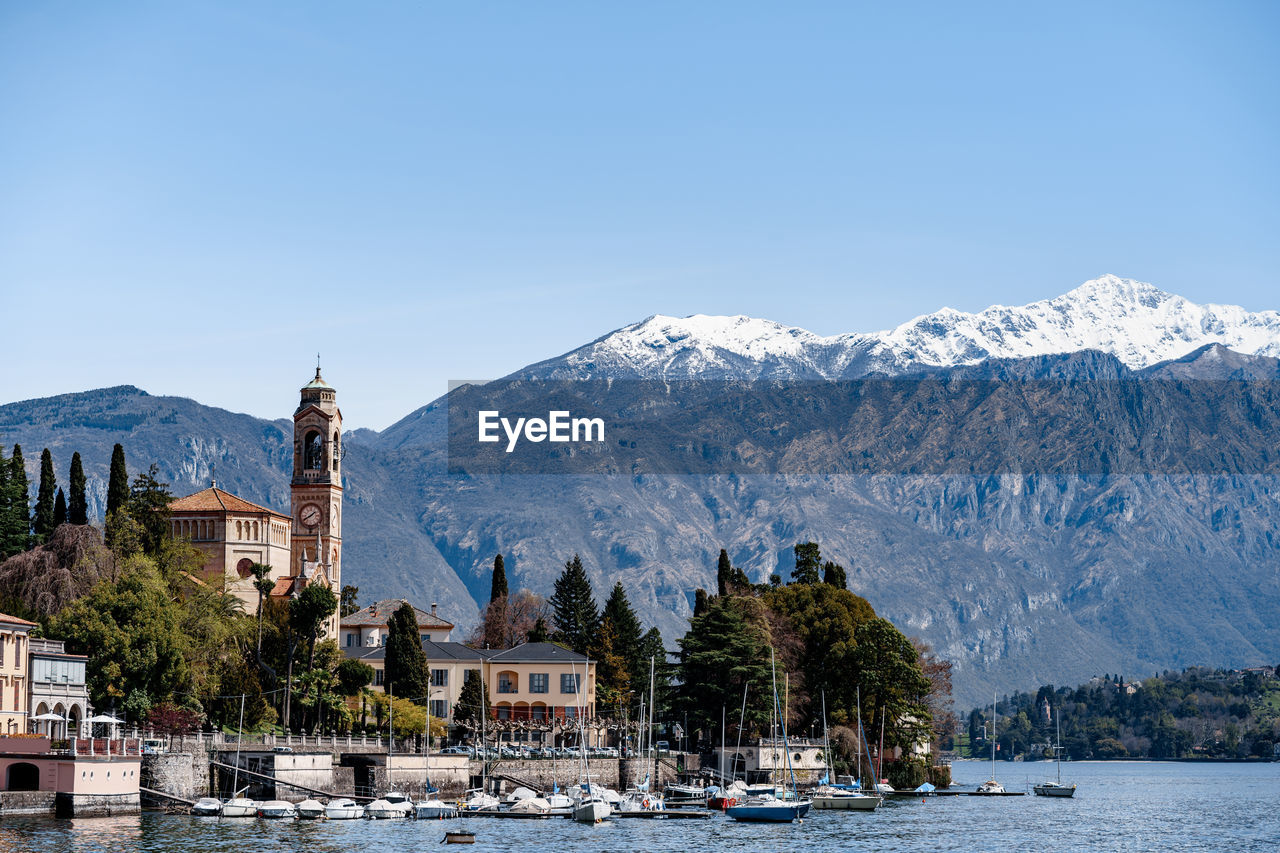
1125, 806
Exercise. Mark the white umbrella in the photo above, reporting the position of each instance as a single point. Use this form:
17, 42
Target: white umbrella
52, 718
104, 718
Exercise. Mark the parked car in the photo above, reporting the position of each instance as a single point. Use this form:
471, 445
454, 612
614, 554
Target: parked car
456, 750
153, 746
663, 747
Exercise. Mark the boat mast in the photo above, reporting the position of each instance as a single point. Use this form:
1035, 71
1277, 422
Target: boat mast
742, 720
654, 781
235, 775
993, 736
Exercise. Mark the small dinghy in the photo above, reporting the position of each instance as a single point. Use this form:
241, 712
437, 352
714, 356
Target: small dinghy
310, 809
459, 837
207, 807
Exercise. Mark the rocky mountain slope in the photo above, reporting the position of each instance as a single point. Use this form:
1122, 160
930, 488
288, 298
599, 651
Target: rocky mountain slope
1136, 532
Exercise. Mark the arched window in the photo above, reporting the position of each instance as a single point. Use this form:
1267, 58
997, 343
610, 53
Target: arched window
337, 449
255, 531
314, 449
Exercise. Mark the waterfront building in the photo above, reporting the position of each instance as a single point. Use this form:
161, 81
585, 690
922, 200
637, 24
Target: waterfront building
14, 687
531, 682
58, 687
302, 547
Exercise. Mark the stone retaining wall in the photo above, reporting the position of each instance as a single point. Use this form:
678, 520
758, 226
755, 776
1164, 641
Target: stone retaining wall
26, 803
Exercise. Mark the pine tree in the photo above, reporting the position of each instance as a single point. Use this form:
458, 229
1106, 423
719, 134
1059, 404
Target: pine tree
77, 503
833, 574
808, 563
574, 608
724, 573
17, 533
473, 698
59, 509
117, 481
613, 677
406, 663
42, 520
498, 586
626, 628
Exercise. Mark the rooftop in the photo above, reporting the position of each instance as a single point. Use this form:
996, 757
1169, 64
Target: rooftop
214, 499
14, 620
380, 613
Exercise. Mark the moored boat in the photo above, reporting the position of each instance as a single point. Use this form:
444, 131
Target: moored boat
207, 807
434, 809
310, 809
277, 809
768, 809
1056, 789
591, 810
343, 808
240, 807
391, 806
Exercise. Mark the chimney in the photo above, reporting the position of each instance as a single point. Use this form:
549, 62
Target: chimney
433, 608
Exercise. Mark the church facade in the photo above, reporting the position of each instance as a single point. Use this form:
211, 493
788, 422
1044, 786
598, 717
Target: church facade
303, 547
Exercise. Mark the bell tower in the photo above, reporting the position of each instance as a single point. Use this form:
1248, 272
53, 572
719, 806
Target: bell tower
316, 487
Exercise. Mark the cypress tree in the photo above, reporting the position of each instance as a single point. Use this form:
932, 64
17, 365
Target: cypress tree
473, 698
699, 602
539, 633
626, 628
59, 509
498, 587
17, 533
724, 573
574, 608
406, 663
77, 503
117, 481
42, 521
6, 507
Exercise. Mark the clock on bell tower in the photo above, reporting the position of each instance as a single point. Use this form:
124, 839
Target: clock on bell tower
316, 487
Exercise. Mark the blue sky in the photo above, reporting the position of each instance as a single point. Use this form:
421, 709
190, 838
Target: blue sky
196, 196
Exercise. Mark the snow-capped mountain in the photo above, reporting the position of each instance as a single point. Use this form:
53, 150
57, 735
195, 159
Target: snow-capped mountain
1136, 322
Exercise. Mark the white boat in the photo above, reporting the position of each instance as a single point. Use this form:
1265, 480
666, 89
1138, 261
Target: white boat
277, 809
1056, 789
831, 797
240, 807
391, 806
310, 809
434, 809
640, 801
591, 810
344, 808
531, 805
207, 807
559, 804
686, 794
479, 801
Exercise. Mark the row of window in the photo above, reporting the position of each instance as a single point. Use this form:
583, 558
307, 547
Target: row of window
17, 648
508, 682
539, 682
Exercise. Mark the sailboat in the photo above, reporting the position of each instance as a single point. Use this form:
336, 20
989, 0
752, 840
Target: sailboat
841, 796
766, 807
588, 806
239, 805
392, 804
432, 807
991, 786
1056, 789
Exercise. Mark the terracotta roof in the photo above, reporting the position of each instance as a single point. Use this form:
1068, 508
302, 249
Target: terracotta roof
14, 620
380, 613
283, 587
214, 499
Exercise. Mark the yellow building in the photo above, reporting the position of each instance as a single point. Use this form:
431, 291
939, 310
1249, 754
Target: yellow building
533, 681
14, 685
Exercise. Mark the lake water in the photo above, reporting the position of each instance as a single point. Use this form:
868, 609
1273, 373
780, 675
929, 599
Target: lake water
1120, 806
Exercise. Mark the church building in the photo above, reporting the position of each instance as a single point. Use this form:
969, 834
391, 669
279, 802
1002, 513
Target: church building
301, 548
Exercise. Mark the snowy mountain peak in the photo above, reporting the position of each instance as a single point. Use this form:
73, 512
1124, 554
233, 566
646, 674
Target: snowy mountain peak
1136, 322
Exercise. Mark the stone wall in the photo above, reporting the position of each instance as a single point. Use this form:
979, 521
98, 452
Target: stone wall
96, 805
182, 774
26, 803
